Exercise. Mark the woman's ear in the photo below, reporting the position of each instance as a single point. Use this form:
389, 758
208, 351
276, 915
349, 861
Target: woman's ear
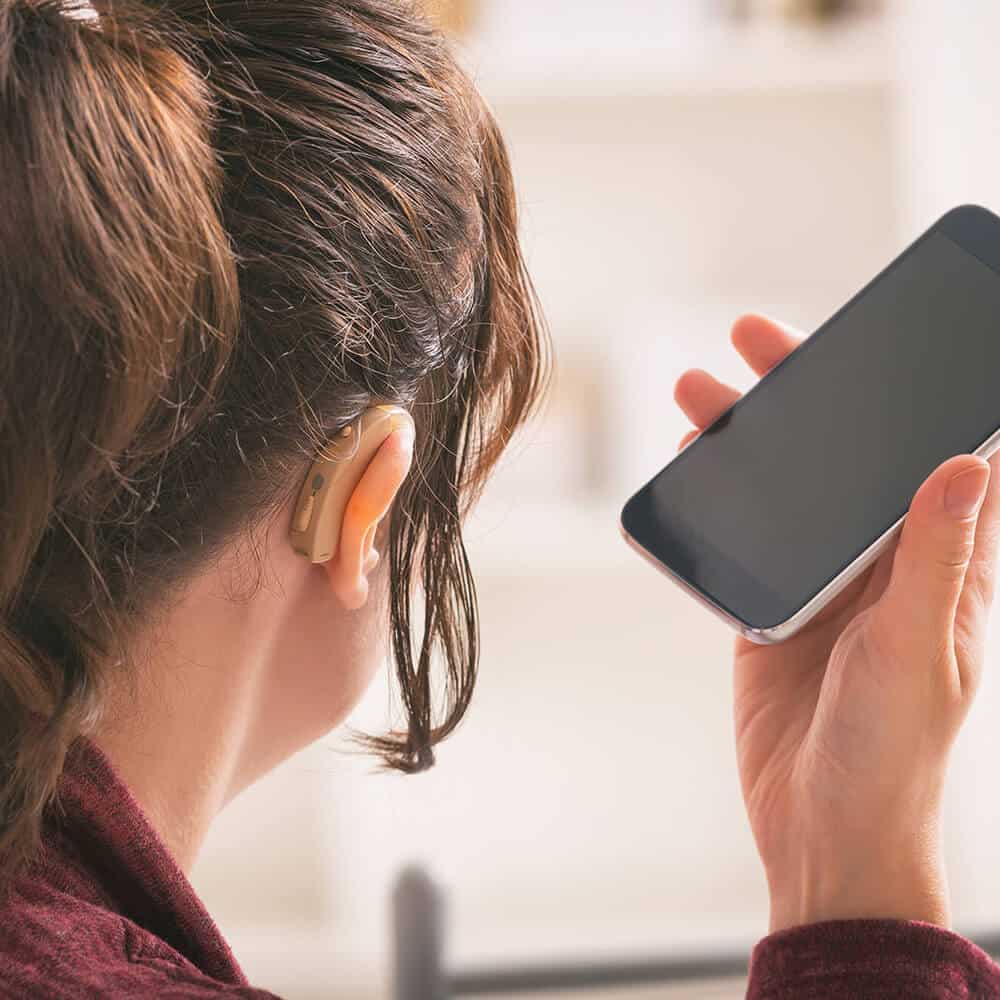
371, 501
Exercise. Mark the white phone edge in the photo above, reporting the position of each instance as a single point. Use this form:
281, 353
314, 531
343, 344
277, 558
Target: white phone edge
786, 629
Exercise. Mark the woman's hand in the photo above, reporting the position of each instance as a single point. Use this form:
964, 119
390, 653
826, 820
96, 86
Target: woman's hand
843, 732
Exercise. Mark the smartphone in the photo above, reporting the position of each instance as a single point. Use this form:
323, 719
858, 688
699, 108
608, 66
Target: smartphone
776, 507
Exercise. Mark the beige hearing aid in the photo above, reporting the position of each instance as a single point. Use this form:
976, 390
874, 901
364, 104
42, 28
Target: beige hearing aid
333, 477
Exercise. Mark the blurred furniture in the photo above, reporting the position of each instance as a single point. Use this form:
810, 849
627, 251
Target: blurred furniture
420, 972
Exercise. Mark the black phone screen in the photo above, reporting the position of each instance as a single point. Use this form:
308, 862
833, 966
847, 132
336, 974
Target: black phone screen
824, 455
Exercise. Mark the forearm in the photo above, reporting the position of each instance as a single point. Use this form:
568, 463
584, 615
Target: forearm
888, 959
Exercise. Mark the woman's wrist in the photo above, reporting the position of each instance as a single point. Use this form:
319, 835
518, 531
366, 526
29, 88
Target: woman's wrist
885, 888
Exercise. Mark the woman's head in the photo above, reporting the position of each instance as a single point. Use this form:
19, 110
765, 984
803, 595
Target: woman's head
226, 229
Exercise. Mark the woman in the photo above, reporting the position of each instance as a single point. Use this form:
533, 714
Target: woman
228, 230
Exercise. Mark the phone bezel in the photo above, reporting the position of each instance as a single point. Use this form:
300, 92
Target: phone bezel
977, 231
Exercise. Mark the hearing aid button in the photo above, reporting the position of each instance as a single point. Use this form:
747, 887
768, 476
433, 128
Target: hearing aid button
304, 515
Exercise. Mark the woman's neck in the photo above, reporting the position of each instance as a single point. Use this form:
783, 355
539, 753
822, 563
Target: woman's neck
178, 730
224, 689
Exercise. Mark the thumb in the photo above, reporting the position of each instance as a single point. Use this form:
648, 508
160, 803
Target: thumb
919, 604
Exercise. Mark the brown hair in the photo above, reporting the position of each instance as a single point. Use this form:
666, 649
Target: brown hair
226, 229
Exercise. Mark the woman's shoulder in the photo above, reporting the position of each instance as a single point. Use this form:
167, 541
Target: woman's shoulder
56, 945
102, 908
42, 920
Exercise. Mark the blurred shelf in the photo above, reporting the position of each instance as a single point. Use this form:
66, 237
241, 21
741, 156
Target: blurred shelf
508, 538
721, 60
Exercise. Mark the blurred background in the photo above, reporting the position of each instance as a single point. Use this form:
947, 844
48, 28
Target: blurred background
679, 162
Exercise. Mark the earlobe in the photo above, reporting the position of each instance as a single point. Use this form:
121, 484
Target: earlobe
371, 502
348, 585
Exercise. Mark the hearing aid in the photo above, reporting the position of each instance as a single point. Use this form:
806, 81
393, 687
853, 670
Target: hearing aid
333, 477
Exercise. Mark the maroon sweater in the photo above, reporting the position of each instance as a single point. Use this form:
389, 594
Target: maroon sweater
105, 912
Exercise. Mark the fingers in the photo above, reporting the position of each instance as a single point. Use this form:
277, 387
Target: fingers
979, 580
762, 342
703, 398
687, 439
916, 614
978, 592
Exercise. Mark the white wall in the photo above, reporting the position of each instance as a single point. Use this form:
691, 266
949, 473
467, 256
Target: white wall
590, 802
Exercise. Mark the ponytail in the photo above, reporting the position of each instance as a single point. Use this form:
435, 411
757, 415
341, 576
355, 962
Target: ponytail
117, 312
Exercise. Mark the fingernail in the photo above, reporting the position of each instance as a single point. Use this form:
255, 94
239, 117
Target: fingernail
966, 491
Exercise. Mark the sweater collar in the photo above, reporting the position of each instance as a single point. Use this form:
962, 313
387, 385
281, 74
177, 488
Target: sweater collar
97, 816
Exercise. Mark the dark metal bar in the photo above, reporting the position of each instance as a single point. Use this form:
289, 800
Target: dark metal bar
990, 943
594, 975
418, 938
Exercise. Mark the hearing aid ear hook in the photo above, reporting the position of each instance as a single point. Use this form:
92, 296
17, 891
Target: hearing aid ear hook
333, 477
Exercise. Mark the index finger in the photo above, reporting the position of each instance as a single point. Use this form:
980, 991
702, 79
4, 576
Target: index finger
763, 342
